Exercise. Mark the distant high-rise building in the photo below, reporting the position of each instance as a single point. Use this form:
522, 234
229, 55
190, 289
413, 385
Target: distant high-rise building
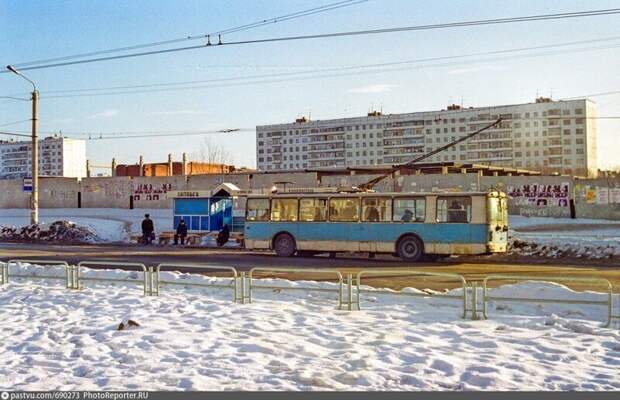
549, 136
58, 156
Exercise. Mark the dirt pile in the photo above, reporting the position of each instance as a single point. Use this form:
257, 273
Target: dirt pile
56, 232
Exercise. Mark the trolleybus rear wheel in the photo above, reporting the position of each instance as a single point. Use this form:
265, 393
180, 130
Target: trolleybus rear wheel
284, 245
410, 248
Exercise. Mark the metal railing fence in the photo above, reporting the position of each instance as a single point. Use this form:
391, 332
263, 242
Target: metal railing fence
403, 273
251, 286
521, 278
243, 284
6, 270
147, 280
234, 284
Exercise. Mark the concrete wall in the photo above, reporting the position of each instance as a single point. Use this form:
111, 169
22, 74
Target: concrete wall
545, 196
12, 194
106, 192
58, 192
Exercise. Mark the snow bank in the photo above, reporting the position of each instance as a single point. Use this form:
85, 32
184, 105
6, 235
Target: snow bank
109, 224
197, 339
564, 237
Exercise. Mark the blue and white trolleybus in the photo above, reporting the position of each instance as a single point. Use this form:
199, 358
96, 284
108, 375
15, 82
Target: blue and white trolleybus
409, 225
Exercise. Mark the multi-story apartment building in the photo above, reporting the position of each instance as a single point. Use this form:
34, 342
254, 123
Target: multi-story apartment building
550, 136
58, 156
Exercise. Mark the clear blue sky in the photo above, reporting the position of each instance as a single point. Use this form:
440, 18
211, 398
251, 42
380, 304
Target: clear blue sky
33, 29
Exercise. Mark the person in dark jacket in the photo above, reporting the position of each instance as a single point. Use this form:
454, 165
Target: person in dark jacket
148, 230
223, 236
181, 232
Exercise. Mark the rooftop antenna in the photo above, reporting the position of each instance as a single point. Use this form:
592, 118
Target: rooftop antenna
551, 93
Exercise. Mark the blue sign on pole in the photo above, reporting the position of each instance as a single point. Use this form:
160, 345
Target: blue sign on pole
28, 185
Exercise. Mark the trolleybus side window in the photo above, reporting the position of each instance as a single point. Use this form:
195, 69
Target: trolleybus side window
312, 210
376, 209
284, 209
454, 209
258, 210
344, 209
409, 209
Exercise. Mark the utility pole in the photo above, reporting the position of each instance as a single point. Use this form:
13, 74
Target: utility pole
34, 196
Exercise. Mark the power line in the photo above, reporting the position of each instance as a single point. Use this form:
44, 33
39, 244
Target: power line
593, 95
541, 17
336, 69
273, 20
309, 75
14, 98
16, 122
135, 134
14, 134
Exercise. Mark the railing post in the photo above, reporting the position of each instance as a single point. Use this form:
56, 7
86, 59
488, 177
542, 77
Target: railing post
243, 296
350, 291
474, 301
4, 273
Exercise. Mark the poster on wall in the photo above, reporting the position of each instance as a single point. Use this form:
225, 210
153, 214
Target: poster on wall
590, 195
540, 195
602, 196
614, 195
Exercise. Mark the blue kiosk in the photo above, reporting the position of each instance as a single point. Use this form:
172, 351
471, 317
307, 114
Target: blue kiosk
208, 211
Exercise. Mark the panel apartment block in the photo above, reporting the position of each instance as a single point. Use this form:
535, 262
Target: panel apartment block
58, 156
549, 136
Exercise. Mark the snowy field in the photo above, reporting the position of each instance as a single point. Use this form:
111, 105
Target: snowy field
197, 339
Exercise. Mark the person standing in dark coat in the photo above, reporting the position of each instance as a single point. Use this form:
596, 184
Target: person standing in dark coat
181, 232
148, 230
223, 236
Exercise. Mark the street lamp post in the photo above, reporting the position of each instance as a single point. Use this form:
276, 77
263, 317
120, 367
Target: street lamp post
34, 197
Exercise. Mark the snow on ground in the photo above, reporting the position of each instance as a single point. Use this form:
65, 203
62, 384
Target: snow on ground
110, 224
589, 238
197, 339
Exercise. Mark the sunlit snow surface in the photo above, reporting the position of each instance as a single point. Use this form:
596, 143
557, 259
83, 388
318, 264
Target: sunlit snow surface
198, 339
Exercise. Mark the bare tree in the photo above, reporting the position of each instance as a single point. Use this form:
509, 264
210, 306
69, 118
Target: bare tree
212, 152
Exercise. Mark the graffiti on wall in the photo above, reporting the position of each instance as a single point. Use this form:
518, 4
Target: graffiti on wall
540, 195
148, 192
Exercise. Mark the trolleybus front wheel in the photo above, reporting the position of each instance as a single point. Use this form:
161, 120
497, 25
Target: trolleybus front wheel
410, 248
284, 245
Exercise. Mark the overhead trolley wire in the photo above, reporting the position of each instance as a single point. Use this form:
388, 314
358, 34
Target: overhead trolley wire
540, 17
15, 123
268, 21
324, 72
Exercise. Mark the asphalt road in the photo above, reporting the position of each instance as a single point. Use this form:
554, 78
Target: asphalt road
470, 267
